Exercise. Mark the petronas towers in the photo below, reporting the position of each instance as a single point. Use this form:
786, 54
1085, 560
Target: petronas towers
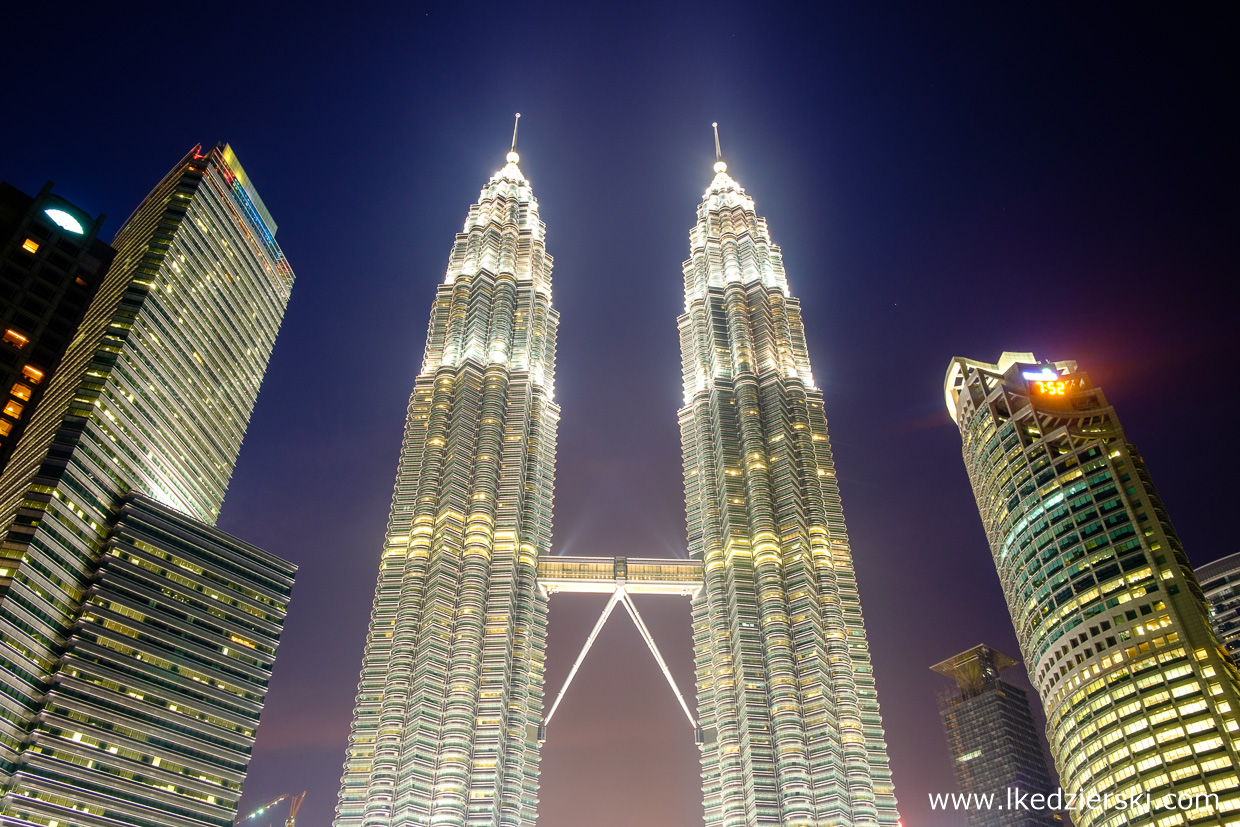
446, 724
783, 670
449, 717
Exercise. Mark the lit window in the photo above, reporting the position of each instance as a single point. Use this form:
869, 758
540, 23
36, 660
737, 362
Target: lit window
14, 338
33, 374
30, 245
6, 427
21, 391
13, 409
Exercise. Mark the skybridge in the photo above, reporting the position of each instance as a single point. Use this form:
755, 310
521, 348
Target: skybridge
619, 577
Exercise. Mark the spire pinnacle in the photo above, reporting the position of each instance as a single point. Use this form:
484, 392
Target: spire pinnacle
513, 157
720, 166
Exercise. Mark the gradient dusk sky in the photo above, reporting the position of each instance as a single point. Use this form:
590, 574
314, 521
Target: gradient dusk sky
944, 179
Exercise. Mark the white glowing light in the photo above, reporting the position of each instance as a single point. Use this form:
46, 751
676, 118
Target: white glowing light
512, 158
65, 221
1043, 374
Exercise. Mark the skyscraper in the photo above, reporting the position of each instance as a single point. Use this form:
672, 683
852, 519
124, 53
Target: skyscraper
446, 726
137, 640
51, 265
1139, 696
791, 733
1220, 581
992, 739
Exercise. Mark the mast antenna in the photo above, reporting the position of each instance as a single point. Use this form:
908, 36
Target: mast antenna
718, 151
516, 122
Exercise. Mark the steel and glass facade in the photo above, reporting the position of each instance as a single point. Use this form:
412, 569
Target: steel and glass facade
1138, 694
143, 421
446, 725
992, 739
788, 715
153, 708
1220, 581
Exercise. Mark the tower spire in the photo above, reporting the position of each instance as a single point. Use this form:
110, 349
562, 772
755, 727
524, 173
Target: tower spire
513, 157
720, 166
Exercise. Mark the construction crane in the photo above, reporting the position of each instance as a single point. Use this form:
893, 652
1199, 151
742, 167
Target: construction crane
293, 807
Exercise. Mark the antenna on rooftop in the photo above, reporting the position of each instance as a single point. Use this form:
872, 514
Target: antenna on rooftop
720, 166
513, 157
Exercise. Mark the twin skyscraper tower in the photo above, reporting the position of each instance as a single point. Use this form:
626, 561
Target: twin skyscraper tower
449, 717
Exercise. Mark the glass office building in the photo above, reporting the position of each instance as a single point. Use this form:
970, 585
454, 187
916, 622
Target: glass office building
1140, 698
446, 726
135, 639
993, 742
789, 720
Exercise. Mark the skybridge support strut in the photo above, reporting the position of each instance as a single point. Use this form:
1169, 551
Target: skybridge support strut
621, 595
611, 604
654, 650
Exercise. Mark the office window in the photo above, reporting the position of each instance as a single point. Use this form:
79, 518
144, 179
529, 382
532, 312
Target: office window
14, 338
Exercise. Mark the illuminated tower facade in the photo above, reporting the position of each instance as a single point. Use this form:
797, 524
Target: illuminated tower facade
789, 725
447, 723
1138, 694
136, 640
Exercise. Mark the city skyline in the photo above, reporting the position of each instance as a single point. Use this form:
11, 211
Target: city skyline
918, 168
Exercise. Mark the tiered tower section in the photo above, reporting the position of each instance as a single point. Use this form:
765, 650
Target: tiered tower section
446, 726
1141, 701
790, 729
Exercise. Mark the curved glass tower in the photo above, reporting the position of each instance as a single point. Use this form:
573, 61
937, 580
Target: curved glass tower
1141, 700
446, 725
790, 731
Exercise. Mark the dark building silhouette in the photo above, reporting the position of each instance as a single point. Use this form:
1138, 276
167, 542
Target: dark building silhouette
51, 266
992, 738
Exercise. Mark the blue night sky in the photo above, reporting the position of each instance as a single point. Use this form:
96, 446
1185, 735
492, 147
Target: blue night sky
944, 180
